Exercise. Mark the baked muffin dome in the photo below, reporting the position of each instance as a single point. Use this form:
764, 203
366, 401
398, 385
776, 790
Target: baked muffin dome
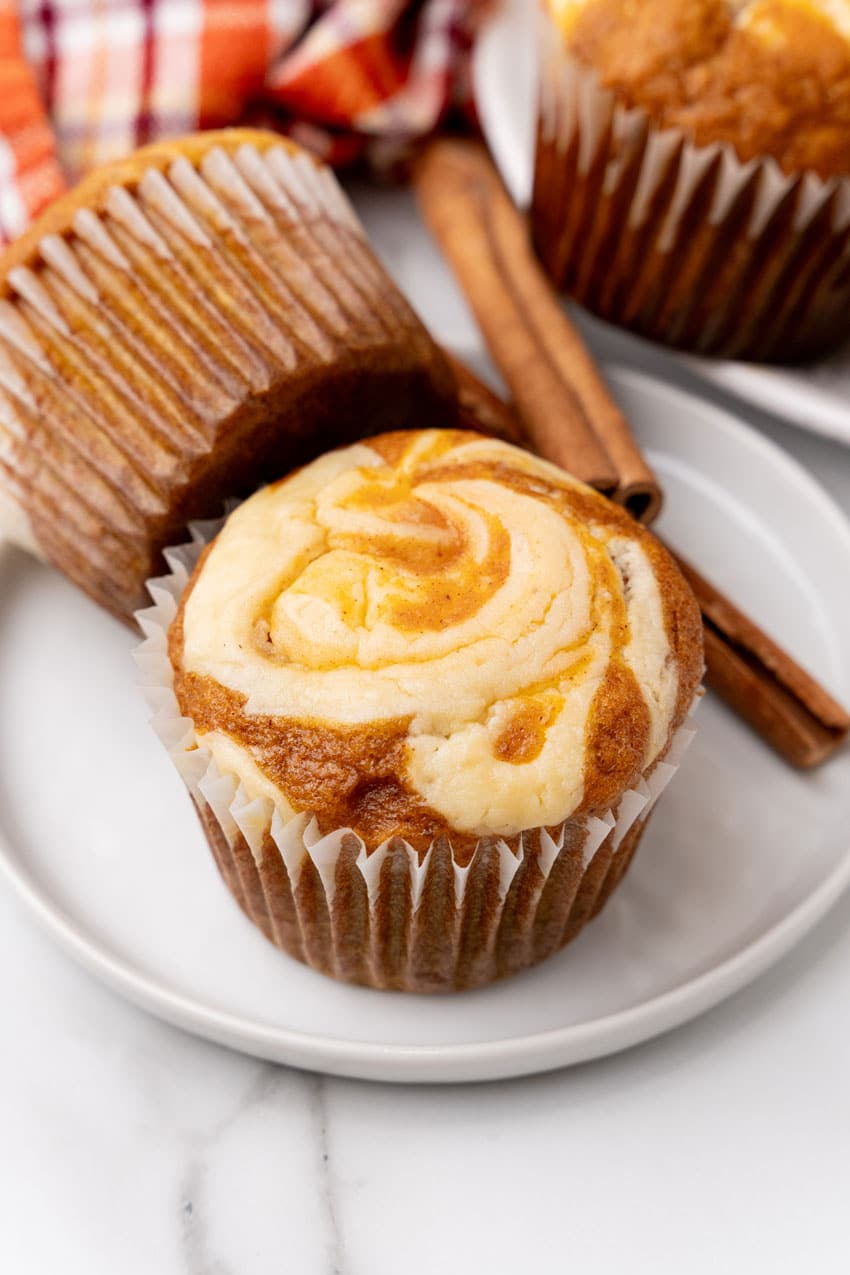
433, 634
768, 77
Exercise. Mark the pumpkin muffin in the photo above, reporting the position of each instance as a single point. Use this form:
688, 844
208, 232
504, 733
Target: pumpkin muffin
182, 325
424, 692
693, 169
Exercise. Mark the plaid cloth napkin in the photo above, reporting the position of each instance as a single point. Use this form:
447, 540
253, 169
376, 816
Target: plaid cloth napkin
86, 81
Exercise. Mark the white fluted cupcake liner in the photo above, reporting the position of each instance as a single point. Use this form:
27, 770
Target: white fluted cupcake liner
392, 918
682, 243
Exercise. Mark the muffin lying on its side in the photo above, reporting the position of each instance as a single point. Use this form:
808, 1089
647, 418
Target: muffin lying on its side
183, 325
422, 691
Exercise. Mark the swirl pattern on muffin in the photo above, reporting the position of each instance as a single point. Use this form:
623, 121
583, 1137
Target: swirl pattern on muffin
435, 633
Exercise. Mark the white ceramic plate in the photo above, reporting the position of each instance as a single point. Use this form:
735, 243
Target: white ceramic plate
742, 857
816, 397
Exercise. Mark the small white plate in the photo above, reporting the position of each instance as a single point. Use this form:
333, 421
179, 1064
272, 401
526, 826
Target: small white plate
816, 397
742, 857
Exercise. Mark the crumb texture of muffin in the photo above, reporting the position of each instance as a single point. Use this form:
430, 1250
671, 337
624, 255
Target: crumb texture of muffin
769, 77
200, 317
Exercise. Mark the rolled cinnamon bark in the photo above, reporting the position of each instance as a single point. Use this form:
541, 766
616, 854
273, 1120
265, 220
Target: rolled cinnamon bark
762, 683
456, 196
566, 407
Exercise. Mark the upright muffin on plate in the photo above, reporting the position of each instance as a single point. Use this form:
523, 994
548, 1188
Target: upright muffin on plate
424, 693
692, 177
182, 325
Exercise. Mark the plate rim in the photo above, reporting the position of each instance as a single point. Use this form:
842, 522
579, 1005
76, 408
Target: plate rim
525, 1054
760, 385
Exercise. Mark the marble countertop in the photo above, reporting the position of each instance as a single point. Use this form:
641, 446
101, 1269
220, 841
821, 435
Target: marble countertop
129, 1147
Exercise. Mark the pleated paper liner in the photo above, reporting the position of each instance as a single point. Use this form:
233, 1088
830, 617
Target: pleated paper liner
681, 243
185, 324
393, 918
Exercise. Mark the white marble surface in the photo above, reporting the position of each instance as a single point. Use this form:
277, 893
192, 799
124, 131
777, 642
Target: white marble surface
130, 1147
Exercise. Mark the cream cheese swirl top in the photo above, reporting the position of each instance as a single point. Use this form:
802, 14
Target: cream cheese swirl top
435, 632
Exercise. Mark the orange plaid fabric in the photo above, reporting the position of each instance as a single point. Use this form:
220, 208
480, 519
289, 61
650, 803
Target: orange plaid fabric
83, 82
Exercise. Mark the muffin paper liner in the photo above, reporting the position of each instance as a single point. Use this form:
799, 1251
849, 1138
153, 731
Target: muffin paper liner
209, 319
682, 243
394, 918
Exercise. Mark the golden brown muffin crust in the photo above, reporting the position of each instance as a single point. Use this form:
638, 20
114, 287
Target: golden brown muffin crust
779, 87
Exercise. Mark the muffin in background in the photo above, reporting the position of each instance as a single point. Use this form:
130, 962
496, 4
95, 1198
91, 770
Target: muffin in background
692, 177
424, 693
184, 324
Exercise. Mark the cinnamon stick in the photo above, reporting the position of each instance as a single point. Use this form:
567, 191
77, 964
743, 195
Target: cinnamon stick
569, 414
759, 680
457, 206
763, 683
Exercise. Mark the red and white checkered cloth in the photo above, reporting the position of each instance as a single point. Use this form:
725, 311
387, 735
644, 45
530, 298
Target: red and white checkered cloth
86, 81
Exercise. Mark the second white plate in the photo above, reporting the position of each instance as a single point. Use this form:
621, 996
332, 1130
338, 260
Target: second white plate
742, 857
